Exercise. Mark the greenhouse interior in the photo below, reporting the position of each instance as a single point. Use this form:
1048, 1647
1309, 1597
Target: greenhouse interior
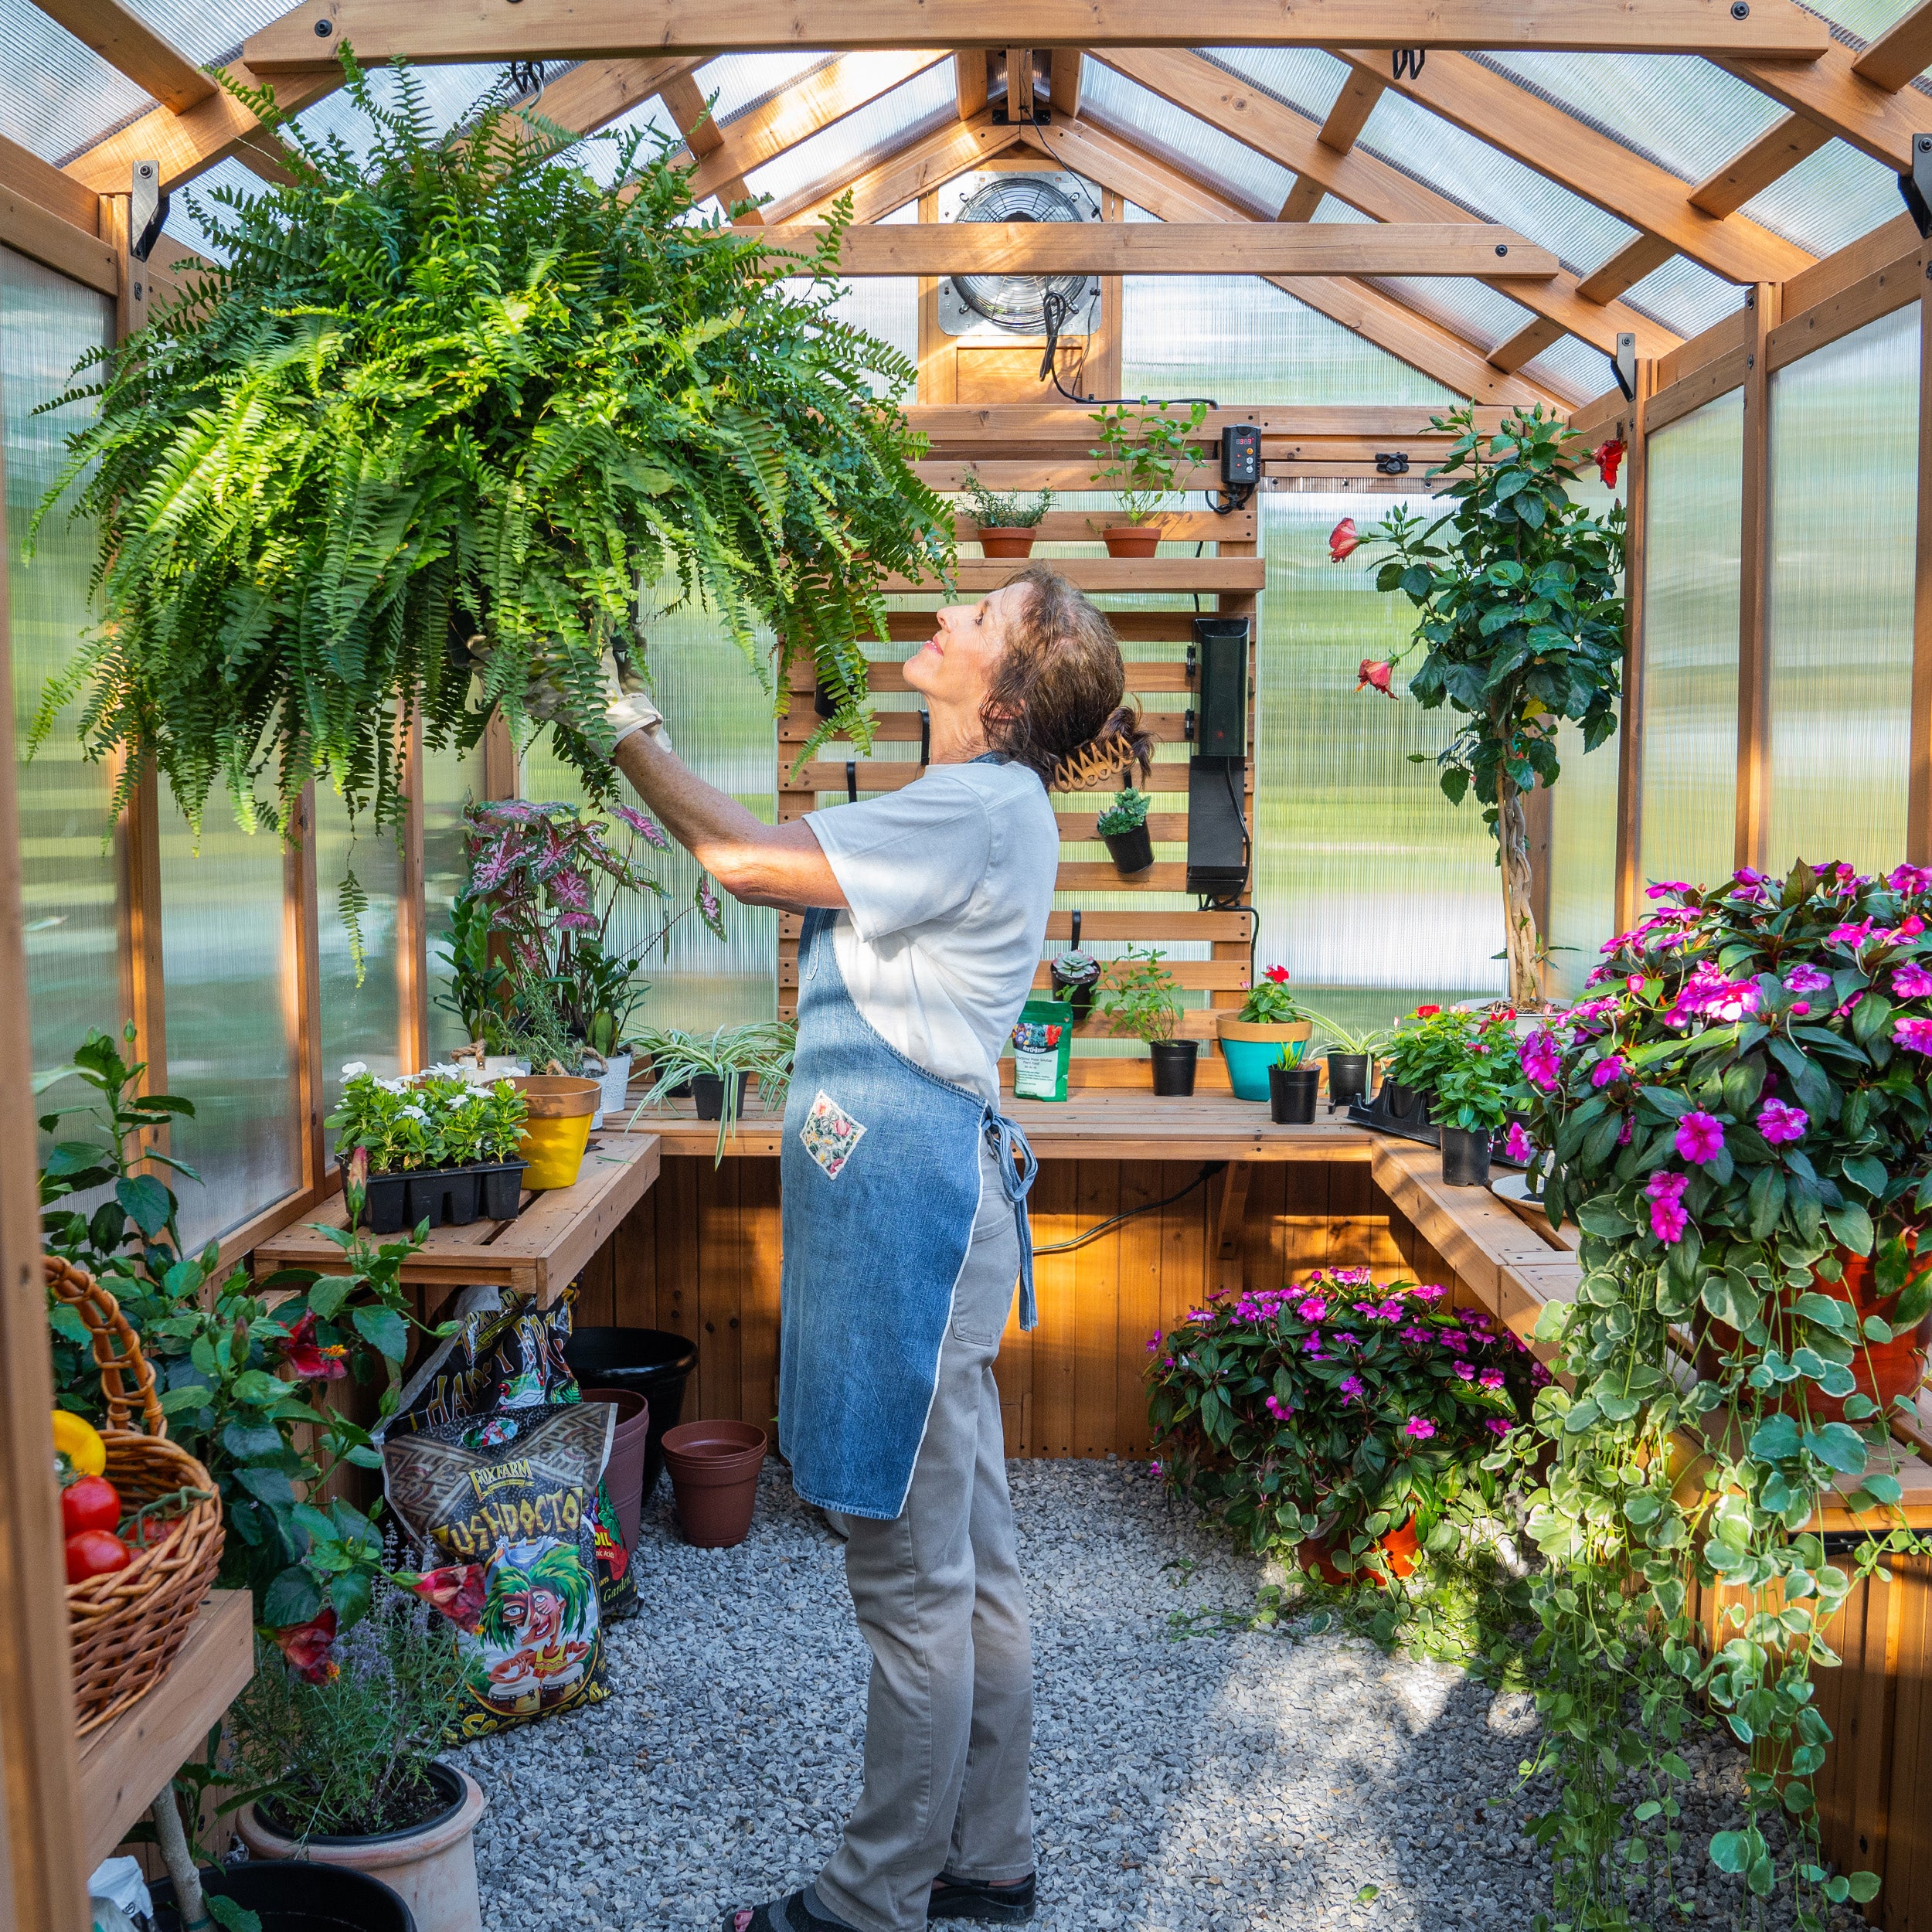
1286, 681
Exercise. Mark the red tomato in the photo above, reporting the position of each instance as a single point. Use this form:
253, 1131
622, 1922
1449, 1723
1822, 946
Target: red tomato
150, 1531
93, 1553
89, 1503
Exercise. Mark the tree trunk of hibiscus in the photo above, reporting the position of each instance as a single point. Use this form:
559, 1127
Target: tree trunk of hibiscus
1519, 921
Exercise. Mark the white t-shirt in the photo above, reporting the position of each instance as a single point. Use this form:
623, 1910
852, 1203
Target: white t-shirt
948, 883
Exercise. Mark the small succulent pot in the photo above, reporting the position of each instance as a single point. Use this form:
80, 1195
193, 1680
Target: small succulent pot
1132, 539
1175, 1061
1347, 1078
1131, 852
1005, 540
1465, 1157
707, 1093
499, 1186
1075, 975
1291, 1095
1252, 1049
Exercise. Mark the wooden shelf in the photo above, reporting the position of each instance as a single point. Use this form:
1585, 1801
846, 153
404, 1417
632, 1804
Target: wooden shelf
541, 1252
1123, 575
125, 1764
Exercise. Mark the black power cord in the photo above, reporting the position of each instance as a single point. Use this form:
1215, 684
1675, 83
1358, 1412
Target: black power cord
1128, 1214
1055, 310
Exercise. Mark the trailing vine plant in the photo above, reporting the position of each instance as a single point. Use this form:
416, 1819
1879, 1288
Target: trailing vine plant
450, 422
1738, 1125
1521, 626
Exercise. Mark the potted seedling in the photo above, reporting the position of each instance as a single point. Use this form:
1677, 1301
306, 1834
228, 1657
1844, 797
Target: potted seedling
1351, 1057
1269, 1031
438, 1148
1139, 999
717, 1067
1124, 827
1140, 453
1006, 525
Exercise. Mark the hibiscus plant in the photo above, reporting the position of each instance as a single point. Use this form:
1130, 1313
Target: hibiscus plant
1738, 1125
1335, 1410
1521, 627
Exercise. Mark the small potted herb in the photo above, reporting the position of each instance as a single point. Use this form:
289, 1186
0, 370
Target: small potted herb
1139, 999
717, 1067
1006, 525
1124, 827
1140, 453
1350, 1056
1269, 1031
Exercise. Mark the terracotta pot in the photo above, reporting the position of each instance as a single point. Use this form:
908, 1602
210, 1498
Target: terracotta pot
431, 1867
1132, 539
714, 1479
624, 1474
1400, 1545
1005, 540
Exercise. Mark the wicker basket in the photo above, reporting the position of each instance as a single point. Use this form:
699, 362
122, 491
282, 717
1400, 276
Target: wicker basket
126, 1626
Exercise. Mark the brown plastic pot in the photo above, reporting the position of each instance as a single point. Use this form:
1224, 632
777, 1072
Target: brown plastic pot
624, 1474
714, 1479
1132, 539
1005, 540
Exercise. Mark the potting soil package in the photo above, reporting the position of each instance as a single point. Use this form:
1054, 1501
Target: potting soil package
508, 1354
504, 1506
1042, 1045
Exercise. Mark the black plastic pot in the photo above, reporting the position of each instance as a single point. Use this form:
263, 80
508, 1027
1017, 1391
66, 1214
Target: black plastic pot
444, 1197
1175, 1061
1131, 852
1078, 993
1465, 1158
386, 1203
654, 1362
707, 1089
1291, 1094
296, 1895
1348, 1079
1406, 1103
500, 1190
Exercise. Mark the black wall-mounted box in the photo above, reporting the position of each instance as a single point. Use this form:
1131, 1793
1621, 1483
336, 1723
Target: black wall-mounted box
1220, 657
1241, 454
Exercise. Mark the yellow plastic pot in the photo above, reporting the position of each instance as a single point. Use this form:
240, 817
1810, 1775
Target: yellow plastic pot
558, 1126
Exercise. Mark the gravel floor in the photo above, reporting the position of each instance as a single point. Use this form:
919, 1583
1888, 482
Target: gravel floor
1227, 1781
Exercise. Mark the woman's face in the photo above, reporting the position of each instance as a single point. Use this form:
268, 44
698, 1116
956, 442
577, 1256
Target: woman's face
956, 667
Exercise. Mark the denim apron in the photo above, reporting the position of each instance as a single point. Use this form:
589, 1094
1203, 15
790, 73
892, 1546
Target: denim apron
880, 1170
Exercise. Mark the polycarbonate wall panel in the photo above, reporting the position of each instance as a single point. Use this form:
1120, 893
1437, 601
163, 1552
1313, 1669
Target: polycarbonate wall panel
1843, 469
1373, 890
1693, 535
451, 779
67, 874
362, 1008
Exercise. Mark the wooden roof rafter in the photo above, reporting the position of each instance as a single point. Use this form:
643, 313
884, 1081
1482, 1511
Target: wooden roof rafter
132, 48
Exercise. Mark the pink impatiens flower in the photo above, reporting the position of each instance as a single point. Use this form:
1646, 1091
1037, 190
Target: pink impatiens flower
1700, 1138
1806, 979
1542, 1063
1519, 1146
1915, 1036
1466, 1371
1911, 982
1668, 1220
1909, 879
1779, 1121
1280, 1410
1430, 1291
1491, 1378
1853, 935
1351, 1388
1418, 1428
1609, 1069
1312, 1310
1496, 1427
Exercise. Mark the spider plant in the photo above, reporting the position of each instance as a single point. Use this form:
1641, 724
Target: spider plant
1370, 1040
763, 1047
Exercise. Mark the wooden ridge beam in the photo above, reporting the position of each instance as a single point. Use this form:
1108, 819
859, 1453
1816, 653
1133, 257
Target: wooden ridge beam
131, 47
1019, 83
1903, 50
1876, 119
1175, 248
1559, 147
1292, 139
486, 30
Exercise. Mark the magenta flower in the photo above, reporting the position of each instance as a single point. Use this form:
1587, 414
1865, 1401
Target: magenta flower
1635, 981
1496, 1427
1613, 1068
1911, 982
1668, 889
1431, 1292
1280, 1410
1351, 1388
1153, 1468
1806, 979
1854, 936
1155, 1343
1710, 992
1456, 1344
1909, 879
1312, 1310
1915, 1036
1542, 1063
1779, 1121
1491, 1379
1418, 1428
1311, 1344
1908, 927
1700, 1138
1466, 1370
1668, 1220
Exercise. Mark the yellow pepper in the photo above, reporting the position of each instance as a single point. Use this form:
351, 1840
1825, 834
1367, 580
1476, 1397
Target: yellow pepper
78, 1440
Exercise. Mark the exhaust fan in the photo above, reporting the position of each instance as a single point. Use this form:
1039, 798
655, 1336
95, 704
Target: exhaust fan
1015, 305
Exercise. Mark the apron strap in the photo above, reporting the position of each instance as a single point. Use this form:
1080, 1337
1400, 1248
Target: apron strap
1016, 1178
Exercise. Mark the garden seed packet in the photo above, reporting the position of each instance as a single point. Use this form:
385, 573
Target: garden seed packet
1042, 1044
504, 1508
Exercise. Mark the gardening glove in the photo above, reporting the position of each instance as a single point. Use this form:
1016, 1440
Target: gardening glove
627, 704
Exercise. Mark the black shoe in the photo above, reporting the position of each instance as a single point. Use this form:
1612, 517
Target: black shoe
975, 1899
792, 1914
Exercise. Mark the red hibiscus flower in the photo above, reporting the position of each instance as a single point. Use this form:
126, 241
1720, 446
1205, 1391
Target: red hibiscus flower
1375, 673
1606, 457
1423, 1012
306, 1647
457, 1591
311, 1361
1278, 974
1343, 539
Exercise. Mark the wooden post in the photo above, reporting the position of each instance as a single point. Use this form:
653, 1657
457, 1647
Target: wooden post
412, 921
1102, 370
1918, 822
500, 773
1753, 666
1635, 431
42, 1887
938, 361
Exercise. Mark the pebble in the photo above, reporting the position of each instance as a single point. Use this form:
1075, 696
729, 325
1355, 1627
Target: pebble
1259, 1778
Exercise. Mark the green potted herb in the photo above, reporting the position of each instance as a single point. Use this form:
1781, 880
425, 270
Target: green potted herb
717, 1067
1140, 999
1350, 1057
1124, 826
1006, 525
1141, 452
1269, 1031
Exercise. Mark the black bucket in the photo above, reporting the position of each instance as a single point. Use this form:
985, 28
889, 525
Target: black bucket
297, 1895
653, 1361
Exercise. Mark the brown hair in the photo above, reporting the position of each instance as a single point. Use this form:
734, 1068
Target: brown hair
1055, 703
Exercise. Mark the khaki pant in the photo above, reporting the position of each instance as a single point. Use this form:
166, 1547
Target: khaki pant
949, 1717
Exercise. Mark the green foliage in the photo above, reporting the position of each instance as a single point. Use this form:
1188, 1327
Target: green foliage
449, 404
435, 1120
763, 1047
480, 987
1371, 1040
992, 511
1736, 1123
1139, 998
1127, 813
1466, 1061
1142, 450
1269, 1003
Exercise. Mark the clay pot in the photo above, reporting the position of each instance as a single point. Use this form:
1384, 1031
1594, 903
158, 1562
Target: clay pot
1400, 1545
558, 1128
714, 1479
431, 1866
1132, 539
624, 1474
1005, 540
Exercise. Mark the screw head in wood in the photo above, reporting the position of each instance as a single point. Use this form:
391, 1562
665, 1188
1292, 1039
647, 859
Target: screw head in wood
1740, 9
323, 28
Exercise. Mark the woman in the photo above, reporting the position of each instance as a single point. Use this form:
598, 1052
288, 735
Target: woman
904, 1220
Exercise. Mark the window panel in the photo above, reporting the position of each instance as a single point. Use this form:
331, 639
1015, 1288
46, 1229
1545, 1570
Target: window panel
362, 1010
451, 779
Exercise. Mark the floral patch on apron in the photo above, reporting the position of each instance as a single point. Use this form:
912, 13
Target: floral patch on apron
830, 1135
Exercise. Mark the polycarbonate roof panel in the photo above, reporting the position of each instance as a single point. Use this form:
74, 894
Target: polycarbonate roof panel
1572, 368
57, 96
1216, 159
834, 150
446, 97
182, 223
1684, 297
742, 80
1472, 310
1830, 198
202, 32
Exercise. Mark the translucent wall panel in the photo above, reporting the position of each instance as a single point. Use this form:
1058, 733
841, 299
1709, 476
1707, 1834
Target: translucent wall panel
720, 720
450, 780
67, 874
1687, 827
1373, 890
1844, 497
360, 1021
231, 994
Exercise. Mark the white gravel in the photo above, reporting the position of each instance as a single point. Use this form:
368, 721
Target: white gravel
1223, 1781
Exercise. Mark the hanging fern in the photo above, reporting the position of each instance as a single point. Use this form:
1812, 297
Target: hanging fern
449, 405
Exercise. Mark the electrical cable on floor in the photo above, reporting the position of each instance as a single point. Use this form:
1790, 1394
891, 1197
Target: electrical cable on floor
1128, 1214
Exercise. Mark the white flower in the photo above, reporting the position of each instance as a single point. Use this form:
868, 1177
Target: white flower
351, 1068
415, 1113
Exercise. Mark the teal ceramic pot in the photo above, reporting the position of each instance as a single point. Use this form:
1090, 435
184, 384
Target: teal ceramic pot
1250, 1047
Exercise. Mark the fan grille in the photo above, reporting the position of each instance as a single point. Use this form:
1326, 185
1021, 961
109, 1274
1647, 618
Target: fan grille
1017, 302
